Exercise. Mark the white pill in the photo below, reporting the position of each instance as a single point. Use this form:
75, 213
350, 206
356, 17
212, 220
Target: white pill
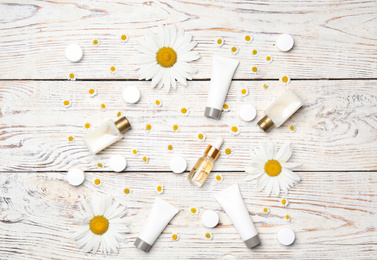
117, 163
210, 219
131, 95
247, 112
285, 42
178, 164
286, 236
75, 176
73, 53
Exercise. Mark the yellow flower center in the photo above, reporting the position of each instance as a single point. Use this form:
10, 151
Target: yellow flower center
112, 68
87, 125
183, 110
159, 188
193, 210
225, 106
95, 42
265, 210
174, 236
287, 217
200, 136
243, 91
268, 58
97, 181
158, 102
272, 168
170, 147
148, 127
134, 151
71, 75
175, 127
234, 129
66, 102
100, 165
234, 49
70, 138
208, 235
254, 69
218, 177
247, 38
123, 37
292, 127
126, 191
264, 85
283, 201
219, 41
255, 52
284, 79
119, 114
166, 57
228, 151
91, 91
145, 159
99, 225
103, 106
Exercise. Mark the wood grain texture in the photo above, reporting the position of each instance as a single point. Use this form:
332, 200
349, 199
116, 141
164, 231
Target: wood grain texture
336, 128
333, 216
333, 39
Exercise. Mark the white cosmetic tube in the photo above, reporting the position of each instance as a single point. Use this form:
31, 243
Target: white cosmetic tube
160, 216
231, 201
222, 74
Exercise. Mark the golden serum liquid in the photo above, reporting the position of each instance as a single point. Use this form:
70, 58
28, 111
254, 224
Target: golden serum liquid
201, 169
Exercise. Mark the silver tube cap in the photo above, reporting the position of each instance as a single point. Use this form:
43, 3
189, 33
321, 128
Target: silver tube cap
142, 245
252, 242
212, 113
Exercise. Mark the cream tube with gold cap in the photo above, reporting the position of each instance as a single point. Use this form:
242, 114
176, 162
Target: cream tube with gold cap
107, 134
204, 165
282, 109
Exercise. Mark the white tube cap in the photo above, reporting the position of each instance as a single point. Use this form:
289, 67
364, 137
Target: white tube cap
218, 143
247, 112
178, 164
74, 53
286, 236
117, 163
210, 219
75, 176
131, 95
285, 42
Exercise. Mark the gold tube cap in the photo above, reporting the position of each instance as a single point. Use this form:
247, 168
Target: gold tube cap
265, 123
212, 152
123, 124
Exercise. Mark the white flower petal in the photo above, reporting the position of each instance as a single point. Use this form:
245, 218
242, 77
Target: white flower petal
143, 59
178, 76
187, 67
263, 152
146, 70
291, 165
269, 186
253, 171
153, 42
262, 182
161, 36
284, 153
183, 49
172, 80
173, 35
252, 177
178, 67
166, 79
189, 56
166, 36
291, 175
157, 78
276, 186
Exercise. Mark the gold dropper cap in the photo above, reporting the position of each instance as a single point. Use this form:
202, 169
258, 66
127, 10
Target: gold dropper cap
212, 152
123, 124
265, 123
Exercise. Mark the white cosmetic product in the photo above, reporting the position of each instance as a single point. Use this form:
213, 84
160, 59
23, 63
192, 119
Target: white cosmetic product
131, 95
222, 74
117, 163
106, 135
285, 42
178, 164
282, 109
286, 236
75, 176
231, 201
210, 219
247, 112
74, 53
161, 214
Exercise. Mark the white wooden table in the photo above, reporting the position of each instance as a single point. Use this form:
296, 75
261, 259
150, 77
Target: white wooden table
333, 67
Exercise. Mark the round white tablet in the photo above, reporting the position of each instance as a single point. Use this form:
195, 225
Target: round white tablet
178, 164
247, 112
286, 236
131, 95
117, 163
73, 53
210, 219
75, 176
285, 42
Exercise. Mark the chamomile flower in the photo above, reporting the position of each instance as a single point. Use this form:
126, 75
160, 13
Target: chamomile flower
208, 236
113, 69
265, 86
135, 152
87, 126
158, 103
127, 191
71, 139
148, 128
244, 92
269, 59
248, 38
159, 189
100, 225
201, 137
184, 111
234, 130
174, 237
96, 42
271, 168
194, 211
292, 128
145, 159
234, 50
287, 218
119, 114
226, 108
175, 128
170, 148
219, 42
124, 38
103, 107
284, 202
229, 151
219, 177
97, 182
254, 69
284, 78
266, 210
165, 58
72, 76
92, 92
254, 52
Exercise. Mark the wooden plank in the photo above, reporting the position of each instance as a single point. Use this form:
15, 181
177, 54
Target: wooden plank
333, 216
334, 39
335, 129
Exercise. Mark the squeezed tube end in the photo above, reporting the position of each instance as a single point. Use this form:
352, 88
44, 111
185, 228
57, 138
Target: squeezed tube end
142, 245
253, 242
212, 113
